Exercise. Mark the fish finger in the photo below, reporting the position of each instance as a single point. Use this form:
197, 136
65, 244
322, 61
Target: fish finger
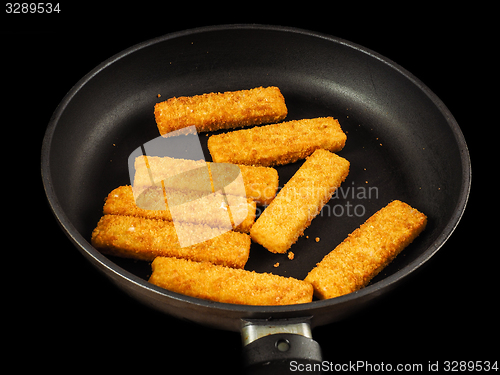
300, 200
367, 250
223, 284
261, 183
277, 144
145, 239
215, 111
198, 208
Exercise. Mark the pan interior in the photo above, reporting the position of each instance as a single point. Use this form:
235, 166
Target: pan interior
400, 145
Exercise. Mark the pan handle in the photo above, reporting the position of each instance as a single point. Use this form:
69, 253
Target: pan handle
279, 346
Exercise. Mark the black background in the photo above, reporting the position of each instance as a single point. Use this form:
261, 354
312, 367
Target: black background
68, 314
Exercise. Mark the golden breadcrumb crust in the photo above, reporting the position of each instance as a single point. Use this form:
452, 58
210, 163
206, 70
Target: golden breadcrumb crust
277, 144
197, 207
214, 111
144, 239
223, 284
261, 183
367, 250
300, 200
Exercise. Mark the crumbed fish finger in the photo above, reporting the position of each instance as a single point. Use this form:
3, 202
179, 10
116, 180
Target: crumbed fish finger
261, 183
145, 239
198, 208
223, 284
300, 200
367, 250
277, 144
215, 111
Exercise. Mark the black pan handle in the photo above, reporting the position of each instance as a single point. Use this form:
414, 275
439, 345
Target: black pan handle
279, 346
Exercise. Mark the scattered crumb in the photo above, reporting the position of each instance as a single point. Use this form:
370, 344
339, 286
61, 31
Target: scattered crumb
291, 255
114, 144
307, 236
159, 95
317, 239
277, 264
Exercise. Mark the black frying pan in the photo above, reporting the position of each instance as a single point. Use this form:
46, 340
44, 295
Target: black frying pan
403, 143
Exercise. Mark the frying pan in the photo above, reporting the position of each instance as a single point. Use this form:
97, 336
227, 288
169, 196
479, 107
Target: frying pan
403, 143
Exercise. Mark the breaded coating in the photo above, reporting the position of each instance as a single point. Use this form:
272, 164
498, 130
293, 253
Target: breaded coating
214, 111
223, 284
261, 183
198, 208
277, 144
144, 239
179, 174
300, 200
367, 250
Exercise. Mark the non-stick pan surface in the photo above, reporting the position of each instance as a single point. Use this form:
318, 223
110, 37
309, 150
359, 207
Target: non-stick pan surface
402, 144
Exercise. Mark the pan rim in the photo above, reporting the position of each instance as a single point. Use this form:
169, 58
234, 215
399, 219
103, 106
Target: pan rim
304, 309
